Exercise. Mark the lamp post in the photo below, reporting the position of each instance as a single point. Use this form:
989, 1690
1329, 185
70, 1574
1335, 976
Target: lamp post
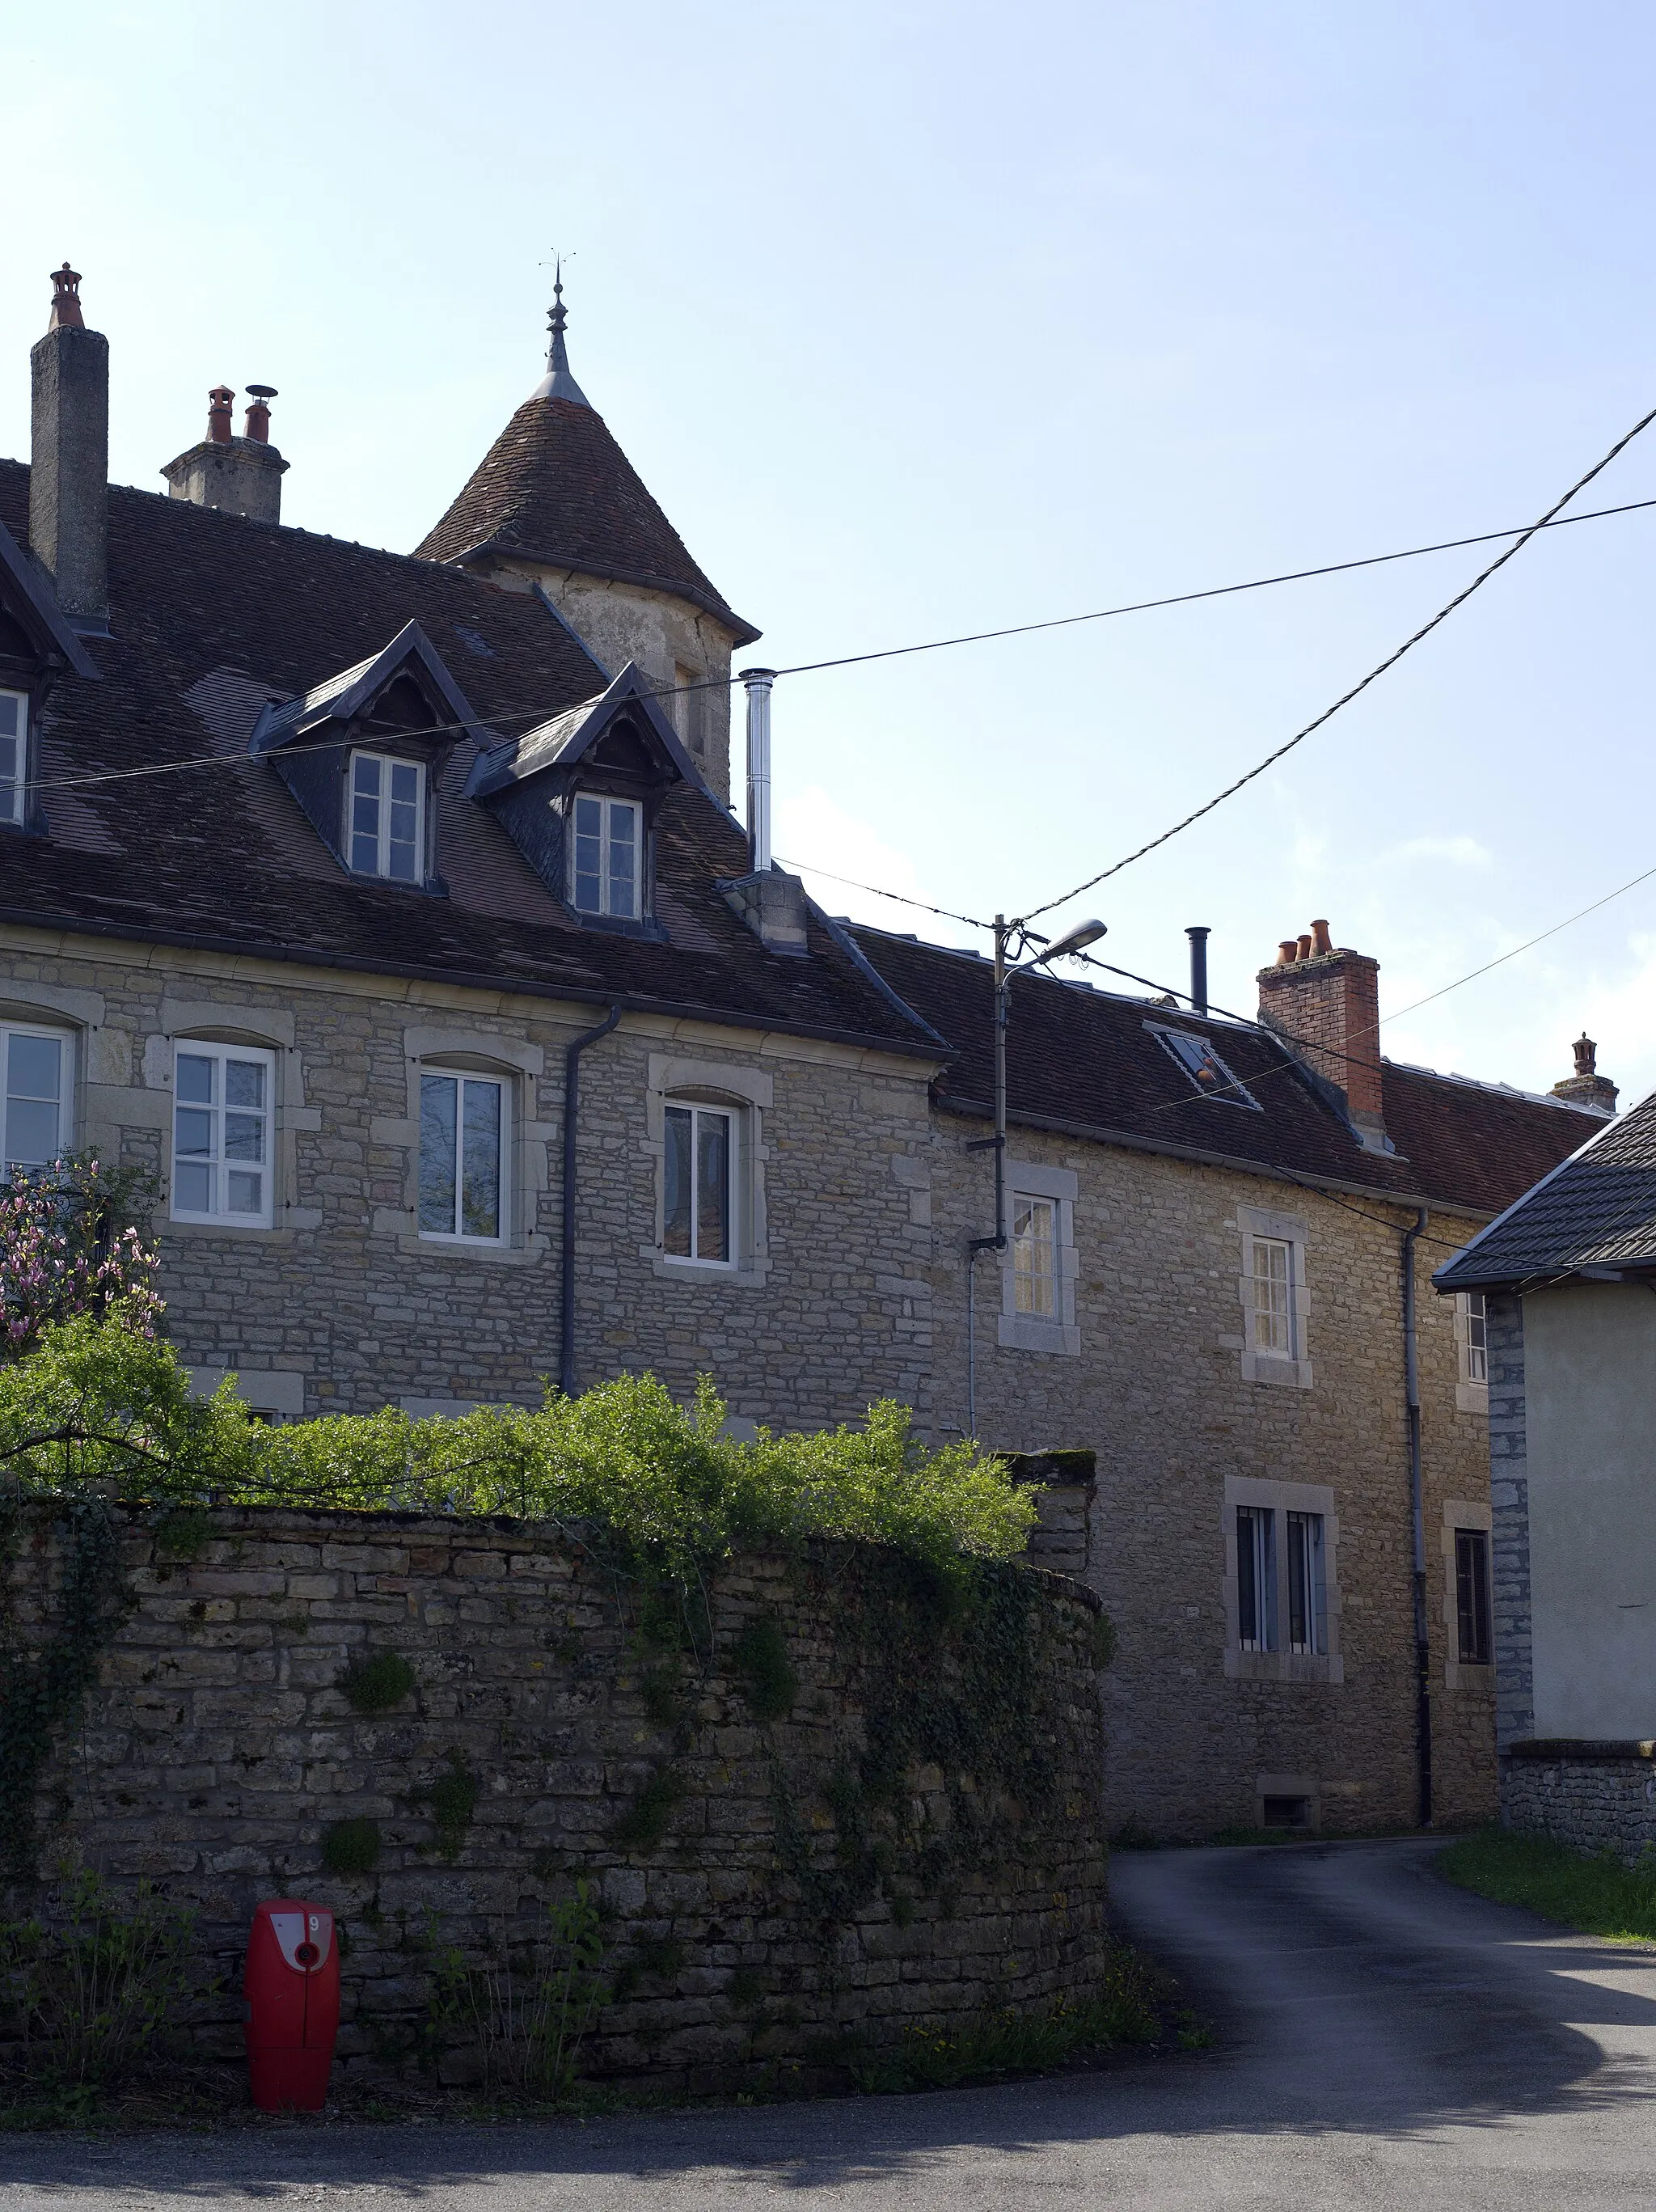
1076, 940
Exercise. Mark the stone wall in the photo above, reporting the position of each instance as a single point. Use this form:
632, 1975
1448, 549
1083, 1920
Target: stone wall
1509, 1494
1594, 1796
802, 1890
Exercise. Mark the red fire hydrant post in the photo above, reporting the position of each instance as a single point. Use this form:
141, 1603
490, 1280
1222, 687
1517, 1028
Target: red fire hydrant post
290, 1996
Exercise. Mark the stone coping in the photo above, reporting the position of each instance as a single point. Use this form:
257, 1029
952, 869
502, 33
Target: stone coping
1585, 1750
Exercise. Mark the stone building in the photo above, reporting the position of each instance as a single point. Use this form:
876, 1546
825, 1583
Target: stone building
1208, 1227
1568, 1274
389, 911
403, 939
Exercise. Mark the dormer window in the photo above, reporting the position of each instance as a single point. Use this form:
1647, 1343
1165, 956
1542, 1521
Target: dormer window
14, 753
387, 816
604, 856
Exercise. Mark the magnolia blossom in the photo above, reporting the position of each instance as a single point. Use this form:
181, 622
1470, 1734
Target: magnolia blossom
58, 1258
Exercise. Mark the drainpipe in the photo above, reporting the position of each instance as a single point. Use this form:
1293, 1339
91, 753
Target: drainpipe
1417, 1512
573, 1052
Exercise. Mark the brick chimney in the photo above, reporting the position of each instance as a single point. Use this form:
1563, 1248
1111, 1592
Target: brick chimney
69, 457
241, 476
1325, 1001
1587, 1087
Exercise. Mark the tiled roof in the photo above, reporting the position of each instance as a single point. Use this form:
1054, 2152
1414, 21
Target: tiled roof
1598, 1210
214, 615
556, 487
1092, 1062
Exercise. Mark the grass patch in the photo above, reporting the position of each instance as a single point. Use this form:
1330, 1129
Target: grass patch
1598, 1896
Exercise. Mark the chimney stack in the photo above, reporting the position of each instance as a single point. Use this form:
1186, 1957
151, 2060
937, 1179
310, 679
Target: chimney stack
69, 459
1587, 1087
1326, 1002
241, 476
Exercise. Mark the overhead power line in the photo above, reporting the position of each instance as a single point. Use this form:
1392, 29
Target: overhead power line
1357, 688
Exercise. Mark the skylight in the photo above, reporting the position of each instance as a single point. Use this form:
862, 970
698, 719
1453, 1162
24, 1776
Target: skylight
1210, 1076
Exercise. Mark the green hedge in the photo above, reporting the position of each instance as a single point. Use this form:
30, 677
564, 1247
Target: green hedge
100, 1405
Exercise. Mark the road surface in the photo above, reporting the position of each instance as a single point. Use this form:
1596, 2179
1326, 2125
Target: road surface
1382, 2041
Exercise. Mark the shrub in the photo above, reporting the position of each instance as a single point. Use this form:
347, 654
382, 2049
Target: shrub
350, 1847
92, 1988
525, 2010
67, 1247
374, 1681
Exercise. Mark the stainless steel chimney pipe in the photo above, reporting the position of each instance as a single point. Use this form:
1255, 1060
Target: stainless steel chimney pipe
757, 682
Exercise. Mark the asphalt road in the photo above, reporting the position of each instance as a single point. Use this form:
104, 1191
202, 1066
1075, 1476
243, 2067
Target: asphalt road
1383, 2040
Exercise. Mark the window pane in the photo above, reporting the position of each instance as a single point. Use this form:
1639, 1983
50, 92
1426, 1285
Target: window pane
246, 1191
1272, 1314
365, 775
34, 1068
192, 1188
589, 856
480, 1195
676, 1205
31, 1132
1472, 1594
1256, 1578
11, 715
437, 1105
404, 785
195, 1079
712, 1203
193, 1132
244, 1083
1034, 1286
623, 860
1306, 1605
244, 1136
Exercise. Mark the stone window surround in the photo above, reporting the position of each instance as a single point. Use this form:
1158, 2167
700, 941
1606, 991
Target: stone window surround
1460, 1674
1469, 1397
1292, 1230
519, 1065
747, 1093
75, 1015
1282, 1666
222, 1021
1031, 1332
278, 1391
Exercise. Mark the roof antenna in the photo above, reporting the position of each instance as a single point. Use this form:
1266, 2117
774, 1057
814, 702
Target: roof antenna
558, 383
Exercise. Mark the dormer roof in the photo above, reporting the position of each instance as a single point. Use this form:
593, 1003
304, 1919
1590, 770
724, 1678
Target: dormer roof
28, 598
340, 698
567, 739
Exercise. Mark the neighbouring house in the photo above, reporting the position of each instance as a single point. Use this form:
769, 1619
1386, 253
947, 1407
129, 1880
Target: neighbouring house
1208, 1229
1568, 1279
389, 911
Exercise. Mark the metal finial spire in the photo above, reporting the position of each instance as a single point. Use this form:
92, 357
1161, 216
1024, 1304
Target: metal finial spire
558, 383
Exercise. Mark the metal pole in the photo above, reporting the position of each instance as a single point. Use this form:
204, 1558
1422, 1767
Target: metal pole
1002, 981
757, 682
1417, 1517
573, 1051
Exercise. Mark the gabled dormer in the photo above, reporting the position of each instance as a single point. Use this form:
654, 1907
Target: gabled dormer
37, 647
580, 796
362, 750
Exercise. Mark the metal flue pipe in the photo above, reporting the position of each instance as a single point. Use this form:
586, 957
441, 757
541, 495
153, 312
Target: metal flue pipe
1198, 968
757, 682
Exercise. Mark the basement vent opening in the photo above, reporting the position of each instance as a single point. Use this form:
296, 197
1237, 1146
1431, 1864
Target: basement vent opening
1285, 1812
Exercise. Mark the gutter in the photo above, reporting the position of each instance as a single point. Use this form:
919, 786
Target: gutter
518, 987
573, 1052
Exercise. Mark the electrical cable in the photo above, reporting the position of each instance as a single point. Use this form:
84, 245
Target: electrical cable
1357, 688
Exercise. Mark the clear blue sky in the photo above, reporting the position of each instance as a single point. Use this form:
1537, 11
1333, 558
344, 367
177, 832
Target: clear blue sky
928, 318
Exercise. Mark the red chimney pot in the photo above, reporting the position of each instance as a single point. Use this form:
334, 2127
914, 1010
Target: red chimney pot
66, 300
1321, 942
218, 415
1288, 950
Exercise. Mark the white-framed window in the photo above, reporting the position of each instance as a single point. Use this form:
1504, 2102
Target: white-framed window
698, 1183
1272, 1276
387, 826
36, 1069
223, 1117
462, 1158
14, 753
1474, 1335
1282, 1605
1034, 1256
1274, 1298
606, 847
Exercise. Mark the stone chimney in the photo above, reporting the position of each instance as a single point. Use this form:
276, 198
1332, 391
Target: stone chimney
241, 476
69, 458
1325, 1001
1587, 1087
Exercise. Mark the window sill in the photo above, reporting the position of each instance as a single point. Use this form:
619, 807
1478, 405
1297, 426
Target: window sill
1286, 1374
1472, 1398
1324, 1666
1467, 1675
259, 1232
1024, 1333
524, 1255
711, 1274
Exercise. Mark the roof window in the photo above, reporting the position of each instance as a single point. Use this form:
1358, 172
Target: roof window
1208, 1074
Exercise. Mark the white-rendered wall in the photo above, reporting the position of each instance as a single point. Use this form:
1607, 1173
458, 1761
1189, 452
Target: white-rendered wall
1591, 1367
